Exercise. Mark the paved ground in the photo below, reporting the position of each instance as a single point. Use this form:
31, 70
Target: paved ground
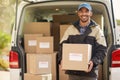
4, 75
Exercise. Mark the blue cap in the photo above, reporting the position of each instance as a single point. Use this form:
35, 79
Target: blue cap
85, 5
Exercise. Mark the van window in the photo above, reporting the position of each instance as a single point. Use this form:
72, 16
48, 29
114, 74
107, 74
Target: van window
116, 7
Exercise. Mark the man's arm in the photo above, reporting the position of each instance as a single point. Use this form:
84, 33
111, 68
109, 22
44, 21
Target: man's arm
100, 48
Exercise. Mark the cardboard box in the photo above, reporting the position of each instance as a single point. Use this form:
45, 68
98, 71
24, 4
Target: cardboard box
76, 54
30, 42
62, 75
37, 28
44, 45
65, 18
72, 18
62, 30
54, 66
39, 63
28, 76
55, 31
99, 19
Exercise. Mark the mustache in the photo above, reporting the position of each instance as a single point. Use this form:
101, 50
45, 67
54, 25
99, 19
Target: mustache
84, 16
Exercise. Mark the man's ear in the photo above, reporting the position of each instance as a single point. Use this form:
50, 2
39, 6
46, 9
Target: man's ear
78, 13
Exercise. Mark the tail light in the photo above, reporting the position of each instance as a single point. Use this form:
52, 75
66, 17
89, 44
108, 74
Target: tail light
13, 59
116, 58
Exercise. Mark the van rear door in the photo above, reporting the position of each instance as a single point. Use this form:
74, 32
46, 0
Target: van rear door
114, 57
16, 58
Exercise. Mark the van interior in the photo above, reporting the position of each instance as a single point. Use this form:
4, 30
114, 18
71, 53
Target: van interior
62, 13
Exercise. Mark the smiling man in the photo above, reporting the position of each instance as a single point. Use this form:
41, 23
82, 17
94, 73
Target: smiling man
85, 31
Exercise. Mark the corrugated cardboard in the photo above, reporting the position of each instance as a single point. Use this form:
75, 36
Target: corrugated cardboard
39, 63
44, 45
62, 75
62, 30
72, 18
76, 54
28, 76
30, 42
55, 31
54, 73
37, 28
65, 18
99, 20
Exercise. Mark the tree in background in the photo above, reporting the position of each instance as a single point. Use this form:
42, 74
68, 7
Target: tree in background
4, 50
4, 40
7, 15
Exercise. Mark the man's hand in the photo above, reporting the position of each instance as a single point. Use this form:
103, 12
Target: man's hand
60, 66
90, 66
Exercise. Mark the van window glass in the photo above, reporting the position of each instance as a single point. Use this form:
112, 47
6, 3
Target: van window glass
116, 7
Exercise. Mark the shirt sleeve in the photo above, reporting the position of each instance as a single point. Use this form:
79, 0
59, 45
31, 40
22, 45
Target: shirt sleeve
100, 37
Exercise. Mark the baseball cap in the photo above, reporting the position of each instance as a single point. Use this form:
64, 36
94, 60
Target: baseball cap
86, 5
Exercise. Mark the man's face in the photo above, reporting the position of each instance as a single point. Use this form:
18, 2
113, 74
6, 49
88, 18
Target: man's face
84, 14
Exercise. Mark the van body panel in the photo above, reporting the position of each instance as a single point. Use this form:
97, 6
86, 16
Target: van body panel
15, 28
28, 10
115, 73
15, 74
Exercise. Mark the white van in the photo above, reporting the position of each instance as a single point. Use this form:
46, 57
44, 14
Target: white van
63, 12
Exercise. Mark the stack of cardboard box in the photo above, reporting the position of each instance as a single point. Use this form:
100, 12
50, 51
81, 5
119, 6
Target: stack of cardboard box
63, 28
41, 58
57, 31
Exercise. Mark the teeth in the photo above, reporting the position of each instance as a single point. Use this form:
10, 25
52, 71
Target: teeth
84, 17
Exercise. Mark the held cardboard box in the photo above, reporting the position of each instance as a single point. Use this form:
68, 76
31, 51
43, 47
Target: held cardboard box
44, 45
39, 63
30, 42
28, 76
37, 28
62, 75
76, 56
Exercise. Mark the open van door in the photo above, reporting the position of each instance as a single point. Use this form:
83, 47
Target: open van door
16, 63
114, 57
35, 1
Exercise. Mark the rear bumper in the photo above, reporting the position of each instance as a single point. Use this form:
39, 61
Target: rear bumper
115, 73
15, 74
